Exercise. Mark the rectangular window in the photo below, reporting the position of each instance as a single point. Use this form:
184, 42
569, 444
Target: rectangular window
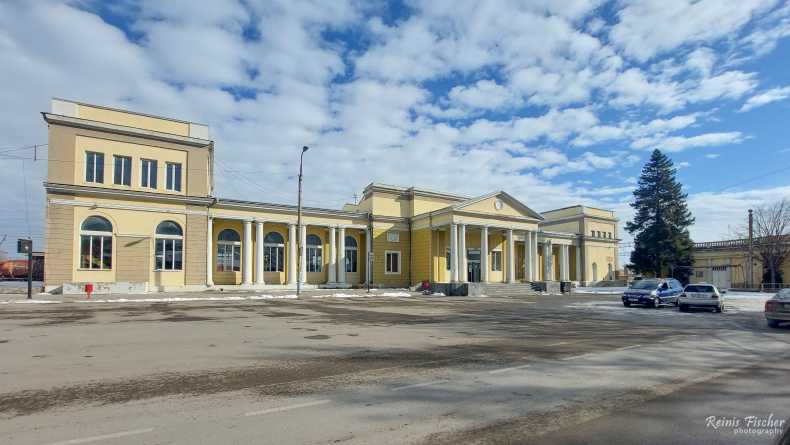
273, 259
351, 260
228, 257
496, 261
94, 167
169, 254
95, 252
123, 170
173, 180
392, 263
314, 259
393, 236
148, 173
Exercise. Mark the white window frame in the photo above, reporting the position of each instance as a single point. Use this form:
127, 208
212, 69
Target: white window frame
387, 253
276, 251
170, 183
149, 163
393, 236
313, 251
168, 244
494, 266
126, 173
92, 166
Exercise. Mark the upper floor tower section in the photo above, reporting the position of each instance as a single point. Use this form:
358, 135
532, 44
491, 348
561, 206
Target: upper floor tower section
94, 146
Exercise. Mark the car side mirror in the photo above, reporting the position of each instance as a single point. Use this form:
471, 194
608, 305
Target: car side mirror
724, 292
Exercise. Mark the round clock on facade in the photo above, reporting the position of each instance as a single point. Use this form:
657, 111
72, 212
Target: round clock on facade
498, 204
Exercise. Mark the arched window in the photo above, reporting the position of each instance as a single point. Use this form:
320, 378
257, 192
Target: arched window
273, 252
314, 258
351, 254
169, 241
96, 243
228, 251
595, 271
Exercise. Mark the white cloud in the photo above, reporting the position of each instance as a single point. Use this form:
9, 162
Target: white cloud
650, 27
766, 97
485, 95
680, 143
712, 155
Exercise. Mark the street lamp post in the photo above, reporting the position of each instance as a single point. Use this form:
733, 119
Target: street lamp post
299, 227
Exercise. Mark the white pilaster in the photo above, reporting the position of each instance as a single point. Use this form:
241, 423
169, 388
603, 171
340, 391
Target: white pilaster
341, 262
535, 262
453, 253
259, 252
567, 260
578, 276
547, 261
563, 262
463, 273
292, 254
210, 252
511, 257
246, 271
303, 253
484, 254
527, 257
332, 272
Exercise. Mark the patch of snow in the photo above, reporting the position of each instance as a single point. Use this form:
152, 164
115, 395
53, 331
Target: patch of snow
600, 290
29, 302
395, 294
438, 294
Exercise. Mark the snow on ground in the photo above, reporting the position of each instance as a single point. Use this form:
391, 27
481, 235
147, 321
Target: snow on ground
734, 302
600, 290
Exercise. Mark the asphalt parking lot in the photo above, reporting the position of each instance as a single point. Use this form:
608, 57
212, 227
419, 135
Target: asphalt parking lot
389, 369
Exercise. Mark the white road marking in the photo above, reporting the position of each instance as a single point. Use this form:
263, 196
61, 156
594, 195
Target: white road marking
628, 347
558, 343
287, 408
512, 368
104, 437
419, 385
574, 357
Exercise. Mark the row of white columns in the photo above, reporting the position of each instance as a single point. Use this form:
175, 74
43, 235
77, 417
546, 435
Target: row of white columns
336, 272
459, 266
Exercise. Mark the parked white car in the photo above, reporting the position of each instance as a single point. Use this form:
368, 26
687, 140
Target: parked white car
701, 295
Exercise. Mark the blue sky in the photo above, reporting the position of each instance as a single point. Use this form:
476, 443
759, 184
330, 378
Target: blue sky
557, 103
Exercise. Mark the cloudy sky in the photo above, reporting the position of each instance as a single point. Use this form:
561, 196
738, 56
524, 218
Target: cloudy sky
557, 103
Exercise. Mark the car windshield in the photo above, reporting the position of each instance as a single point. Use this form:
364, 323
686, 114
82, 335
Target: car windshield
783, 294
697, 288
645, 284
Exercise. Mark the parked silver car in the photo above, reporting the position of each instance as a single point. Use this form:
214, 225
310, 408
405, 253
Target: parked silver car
777, 309
701, 295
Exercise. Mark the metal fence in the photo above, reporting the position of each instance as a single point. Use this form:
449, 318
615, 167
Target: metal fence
773, 287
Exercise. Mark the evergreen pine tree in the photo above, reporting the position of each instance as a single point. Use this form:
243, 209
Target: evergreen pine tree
662, 245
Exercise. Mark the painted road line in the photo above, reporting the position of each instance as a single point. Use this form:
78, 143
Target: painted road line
512, 368
419, 385
558, 343
628, 347
286, 408
103, 437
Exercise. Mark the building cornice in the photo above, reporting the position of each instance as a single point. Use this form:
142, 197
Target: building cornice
76, 122
286, 208
70, 189
578, 218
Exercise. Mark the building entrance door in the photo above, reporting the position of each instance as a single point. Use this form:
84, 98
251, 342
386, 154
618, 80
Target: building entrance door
473, 264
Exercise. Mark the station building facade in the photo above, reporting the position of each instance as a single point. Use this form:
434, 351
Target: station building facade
131, 207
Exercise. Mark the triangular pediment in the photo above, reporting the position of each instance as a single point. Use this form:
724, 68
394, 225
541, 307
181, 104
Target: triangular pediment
498, 203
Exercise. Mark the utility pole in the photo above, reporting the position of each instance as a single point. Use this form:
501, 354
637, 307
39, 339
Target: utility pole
26, 246
299, 227
750, 266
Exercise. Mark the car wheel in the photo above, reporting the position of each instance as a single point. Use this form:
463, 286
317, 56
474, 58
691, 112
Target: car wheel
626, 304
682, 308
773, 323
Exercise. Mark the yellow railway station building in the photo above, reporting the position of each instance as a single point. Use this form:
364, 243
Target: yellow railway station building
130, 207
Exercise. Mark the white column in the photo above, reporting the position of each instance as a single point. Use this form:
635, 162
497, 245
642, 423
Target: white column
527, 257
259, 252
246, 272
535, 265
567, 255
547, 260
453, 253
292, 254
484, 254
210, 252
578, 263
463, 273
341, 261
511, 257
332, 273
303, 262
368, 252
563, 262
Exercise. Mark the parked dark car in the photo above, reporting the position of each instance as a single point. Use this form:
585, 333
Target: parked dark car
777, 309
653, 292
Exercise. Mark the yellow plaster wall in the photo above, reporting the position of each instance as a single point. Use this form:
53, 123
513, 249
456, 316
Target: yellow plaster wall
567, 227
380, 246
601, 254
487, 206
132, 120
421, 256
424, 204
